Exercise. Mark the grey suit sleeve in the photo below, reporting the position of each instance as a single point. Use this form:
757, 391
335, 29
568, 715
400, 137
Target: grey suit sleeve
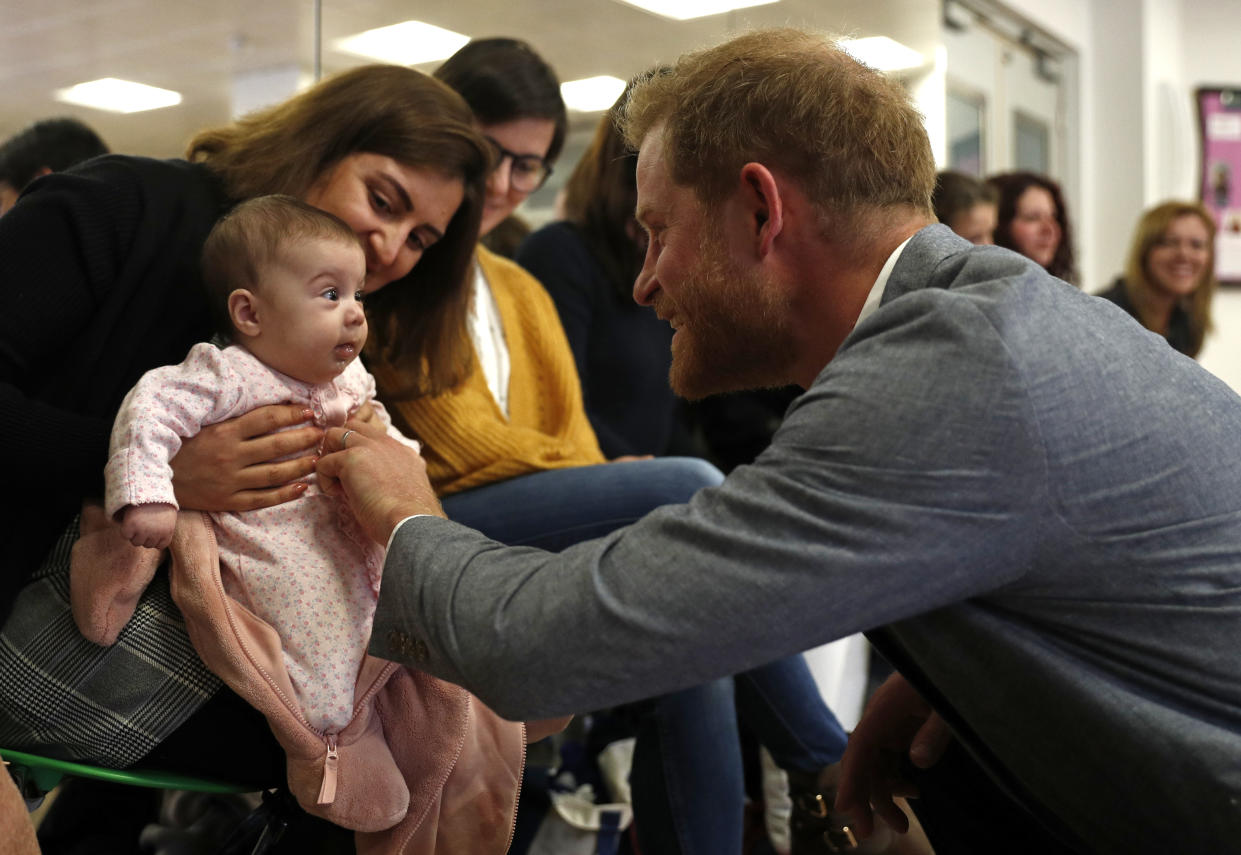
901, 482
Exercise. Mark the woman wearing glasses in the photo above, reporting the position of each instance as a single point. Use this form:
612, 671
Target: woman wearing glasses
1169, 276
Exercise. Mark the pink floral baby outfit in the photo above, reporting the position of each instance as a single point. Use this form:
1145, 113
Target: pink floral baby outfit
305, 567
279, 604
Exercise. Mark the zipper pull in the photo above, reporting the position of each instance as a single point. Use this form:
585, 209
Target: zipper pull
327, 791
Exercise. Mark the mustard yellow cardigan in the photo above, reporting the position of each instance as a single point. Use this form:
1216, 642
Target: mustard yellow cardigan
467, 441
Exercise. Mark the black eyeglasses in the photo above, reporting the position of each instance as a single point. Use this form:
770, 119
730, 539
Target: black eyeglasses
528, 172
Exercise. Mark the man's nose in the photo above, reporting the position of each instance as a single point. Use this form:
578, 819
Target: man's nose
644, 288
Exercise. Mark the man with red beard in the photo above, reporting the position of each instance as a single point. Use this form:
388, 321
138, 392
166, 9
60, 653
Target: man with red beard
1029, 503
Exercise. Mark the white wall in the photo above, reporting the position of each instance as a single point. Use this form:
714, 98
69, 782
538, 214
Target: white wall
1211, 32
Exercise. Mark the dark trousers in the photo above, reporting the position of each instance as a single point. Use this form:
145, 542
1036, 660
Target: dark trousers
964, 812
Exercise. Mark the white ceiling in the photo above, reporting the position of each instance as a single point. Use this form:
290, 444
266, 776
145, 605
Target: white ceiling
199, 49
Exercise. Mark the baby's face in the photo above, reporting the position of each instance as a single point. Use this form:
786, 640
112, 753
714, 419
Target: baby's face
310, 310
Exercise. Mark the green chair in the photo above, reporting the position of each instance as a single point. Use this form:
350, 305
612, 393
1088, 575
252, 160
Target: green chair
36, 776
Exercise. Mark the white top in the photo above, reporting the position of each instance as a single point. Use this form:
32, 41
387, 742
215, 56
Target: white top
487, 336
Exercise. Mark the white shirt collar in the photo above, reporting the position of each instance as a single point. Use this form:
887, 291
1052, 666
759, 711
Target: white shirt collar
875, 297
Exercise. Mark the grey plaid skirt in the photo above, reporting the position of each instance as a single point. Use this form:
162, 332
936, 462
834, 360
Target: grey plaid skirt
66, 697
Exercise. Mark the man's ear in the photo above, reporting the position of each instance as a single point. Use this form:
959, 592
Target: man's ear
243, 311
764, 208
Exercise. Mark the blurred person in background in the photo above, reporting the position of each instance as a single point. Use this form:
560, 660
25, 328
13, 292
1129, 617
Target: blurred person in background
966, 205
1169, 277
50, 145
1034, 222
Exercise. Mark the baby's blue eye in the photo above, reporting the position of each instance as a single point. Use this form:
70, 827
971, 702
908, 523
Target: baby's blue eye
331, 294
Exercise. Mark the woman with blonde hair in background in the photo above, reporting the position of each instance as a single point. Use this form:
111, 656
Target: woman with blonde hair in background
1169, 278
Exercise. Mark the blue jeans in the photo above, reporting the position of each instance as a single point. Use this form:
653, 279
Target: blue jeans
687, 776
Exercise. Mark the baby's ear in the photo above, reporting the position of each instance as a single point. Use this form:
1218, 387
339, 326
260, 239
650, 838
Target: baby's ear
243, 311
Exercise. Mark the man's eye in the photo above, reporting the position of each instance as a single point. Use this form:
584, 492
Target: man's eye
380, 203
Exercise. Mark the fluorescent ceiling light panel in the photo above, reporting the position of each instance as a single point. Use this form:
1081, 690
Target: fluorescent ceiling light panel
683, 10
406, 43
882, 53
592, 94
118, 96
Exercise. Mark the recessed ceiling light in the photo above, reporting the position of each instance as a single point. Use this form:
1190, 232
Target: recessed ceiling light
683, 10
882, 53
118, 96
406, 43
592, 94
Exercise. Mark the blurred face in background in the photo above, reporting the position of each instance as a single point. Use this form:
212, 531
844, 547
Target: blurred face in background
976, 224
521, 147
1178, 261
1035, 228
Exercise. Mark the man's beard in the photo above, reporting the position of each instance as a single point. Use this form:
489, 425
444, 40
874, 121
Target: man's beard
735, 334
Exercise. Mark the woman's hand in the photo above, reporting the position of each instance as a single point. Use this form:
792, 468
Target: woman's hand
227, 466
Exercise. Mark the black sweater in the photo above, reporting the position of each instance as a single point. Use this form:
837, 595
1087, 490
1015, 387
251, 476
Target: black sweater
100, 267
1180, 330
621, 349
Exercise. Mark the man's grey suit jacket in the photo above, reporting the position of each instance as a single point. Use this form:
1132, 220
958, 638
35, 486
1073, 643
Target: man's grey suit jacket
1033, 501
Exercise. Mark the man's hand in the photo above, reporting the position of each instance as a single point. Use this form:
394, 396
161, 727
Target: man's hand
228, 466
149, 525
897, 721
383, 480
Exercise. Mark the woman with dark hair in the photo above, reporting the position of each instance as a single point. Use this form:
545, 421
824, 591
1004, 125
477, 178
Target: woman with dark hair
102, 265
518, 412
1169, 278
1034, 221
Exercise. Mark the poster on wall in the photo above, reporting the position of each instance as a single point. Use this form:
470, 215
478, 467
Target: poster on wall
1219, 122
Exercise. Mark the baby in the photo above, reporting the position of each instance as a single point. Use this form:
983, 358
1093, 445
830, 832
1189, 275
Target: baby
288, 278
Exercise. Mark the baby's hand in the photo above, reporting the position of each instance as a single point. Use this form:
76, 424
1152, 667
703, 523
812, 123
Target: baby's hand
149, 525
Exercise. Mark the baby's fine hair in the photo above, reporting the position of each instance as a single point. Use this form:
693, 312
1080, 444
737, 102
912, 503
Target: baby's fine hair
248, 240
